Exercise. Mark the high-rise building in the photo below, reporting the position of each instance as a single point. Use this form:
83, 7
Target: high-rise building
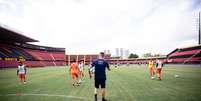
107, 51
121, 52
126, 53
117, 52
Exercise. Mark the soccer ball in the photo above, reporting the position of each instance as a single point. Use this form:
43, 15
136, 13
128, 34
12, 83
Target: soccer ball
152, 77
176, 76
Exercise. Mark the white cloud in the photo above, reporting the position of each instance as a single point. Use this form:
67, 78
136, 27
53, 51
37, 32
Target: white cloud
90, 26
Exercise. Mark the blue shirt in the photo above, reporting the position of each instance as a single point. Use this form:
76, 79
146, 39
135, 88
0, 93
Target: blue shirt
100, 65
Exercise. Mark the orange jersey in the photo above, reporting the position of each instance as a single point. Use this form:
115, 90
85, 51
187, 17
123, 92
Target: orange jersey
74, 68
151, 64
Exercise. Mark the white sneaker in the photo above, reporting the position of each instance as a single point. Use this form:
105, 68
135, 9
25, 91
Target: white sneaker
79, 81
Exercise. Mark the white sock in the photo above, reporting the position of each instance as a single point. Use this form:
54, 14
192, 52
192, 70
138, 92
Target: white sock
95, 91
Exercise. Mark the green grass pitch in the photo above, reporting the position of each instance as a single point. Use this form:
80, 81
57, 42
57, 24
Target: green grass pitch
126, 83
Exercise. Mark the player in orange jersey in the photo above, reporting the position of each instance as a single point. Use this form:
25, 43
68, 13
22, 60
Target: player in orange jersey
74, 72
151, 69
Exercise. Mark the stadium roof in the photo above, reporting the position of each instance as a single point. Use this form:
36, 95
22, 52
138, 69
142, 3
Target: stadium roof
183, 48
10, 35
195, 46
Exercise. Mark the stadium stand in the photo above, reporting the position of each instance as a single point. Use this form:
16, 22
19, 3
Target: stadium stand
187, 55
14, 46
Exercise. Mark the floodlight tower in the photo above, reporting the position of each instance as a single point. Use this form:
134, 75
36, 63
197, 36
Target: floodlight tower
199, 36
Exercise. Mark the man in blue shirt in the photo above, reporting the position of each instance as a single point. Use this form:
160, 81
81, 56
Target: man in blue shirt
100, 75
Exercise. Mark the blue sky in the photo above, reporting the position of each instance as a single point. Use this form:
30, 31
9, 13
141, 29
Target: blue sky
90, 26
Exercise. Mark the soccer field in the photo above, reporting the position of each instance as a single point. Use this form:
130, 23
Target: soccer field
125, 83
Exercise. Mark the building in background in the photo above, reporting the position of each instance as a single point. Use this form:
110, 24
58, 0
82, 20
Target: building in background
107, 52
122, 53
117, 52
126, 53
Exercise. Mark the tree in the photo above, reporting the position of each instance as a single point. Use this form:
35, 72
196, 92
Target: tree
133, 55
147, 55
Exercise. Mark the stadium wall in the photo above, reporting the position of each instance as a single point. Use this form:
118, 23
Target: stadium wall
11, 53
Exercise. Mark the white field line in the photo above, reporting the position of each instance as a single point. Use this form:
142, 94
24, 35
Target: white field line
48, 95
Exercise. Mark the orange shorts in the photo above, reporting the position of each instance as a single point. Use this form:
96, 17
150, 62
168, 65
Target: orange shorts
151, 69
74, 75
22, 76
159, 70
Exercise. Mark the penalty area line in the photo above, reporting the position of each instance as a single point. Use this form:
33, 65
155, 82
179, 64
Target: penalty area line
48, 95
